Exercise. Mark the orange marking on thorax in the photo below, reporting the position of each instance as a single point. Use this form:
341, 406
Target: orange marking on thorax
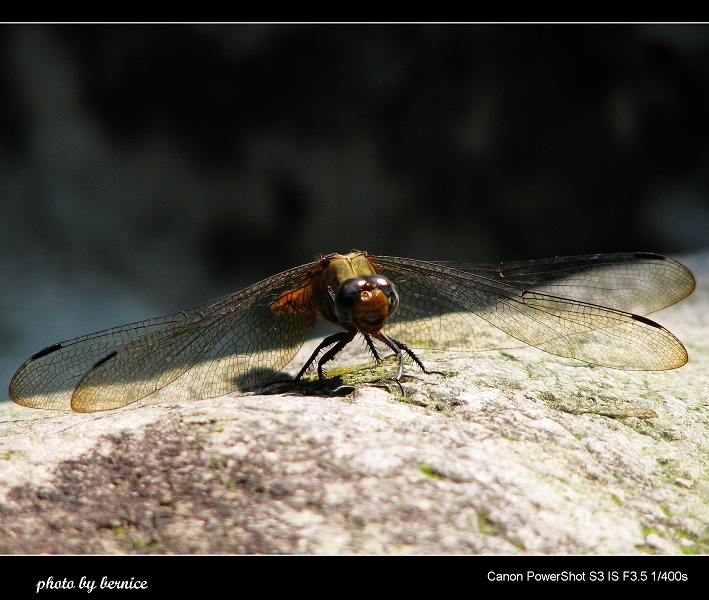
297, 301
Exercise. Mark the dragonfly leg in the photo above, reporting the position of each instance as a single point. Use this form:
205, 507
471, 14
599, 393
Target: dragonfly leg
415, 358
344, 338
340, 339
328, 341
399, 348
372, 347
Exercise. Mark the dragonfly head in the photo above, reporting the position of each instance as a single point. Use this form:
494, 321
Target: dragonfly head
365, 302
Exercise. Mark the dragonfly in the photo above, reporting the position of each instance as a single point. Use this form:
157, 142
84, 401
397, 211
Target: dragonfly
589, 308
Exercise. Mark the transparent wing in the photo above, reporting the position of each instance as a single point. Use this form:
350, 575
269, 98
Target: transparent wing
47, 379
575, 307
638, 282
227, 344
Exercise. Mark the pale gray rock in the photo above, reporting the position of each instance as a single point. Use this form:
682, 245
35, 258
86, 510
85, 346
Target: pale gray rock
510, 452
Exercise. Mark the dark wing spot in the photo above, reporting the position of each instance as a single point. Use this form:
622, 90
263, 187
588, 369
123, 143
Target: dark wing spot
45, 351
104, 359
647, 321
649, 255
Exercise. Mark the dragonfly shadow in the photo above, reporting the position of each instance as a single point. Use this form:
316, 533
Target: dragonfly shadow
330, 386
343, 381
245, 381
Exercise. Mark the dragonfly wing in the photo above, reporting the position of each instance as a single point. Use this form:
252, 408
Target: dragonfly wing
443, 307
228, 344
638, 282
593, 334
429, 318
47, 379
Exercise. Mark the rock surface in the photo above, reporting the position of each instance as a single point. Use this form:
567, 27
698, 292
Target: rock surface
510, 452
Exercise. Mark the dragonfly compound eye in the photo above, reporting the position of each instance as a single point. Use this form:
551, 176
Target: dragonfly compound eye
346, 297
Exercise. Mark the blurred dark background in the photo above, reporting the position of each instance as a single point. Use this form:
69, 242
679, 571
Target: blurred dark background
145, 169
